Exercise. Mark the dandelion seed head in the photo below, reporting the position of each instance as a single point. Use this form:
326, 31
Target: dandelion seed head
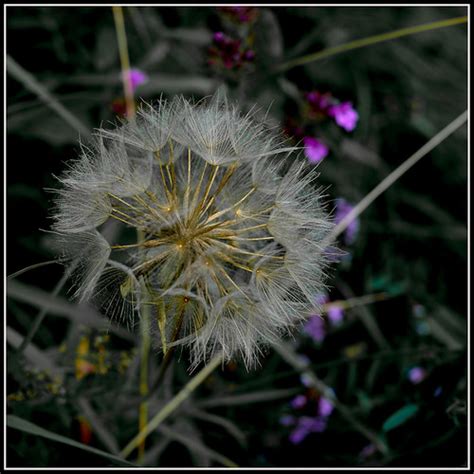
221, 238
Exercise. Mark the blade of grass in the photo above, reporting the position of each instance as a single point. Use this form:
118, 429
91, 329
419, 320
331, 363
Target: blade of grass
30, 267
44, 311
152, 456
195, 445
246, 398
356, 301
98, 427
393, 176
230, 427
124, 60
28, 80
33, 354
171, 406
57, 306
371, 40
20, 424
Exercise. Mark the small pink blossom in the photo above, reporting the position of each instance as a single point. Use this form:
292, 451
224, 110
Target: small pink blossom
315, 150
318, 102
137, 78
305, 426
229, 52
416, 375
299, 401
335, 315
344, 115
343, 208
368, 451
325, 407
314, 327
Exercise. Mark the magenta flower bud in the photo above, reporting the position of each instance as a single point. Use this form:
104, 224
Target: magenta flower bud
342, 209
137, 78
344, 115
416, 375
335, 315
315, 150
312, 97
218, 37
325, 407
314, 327
249, 55
298, 402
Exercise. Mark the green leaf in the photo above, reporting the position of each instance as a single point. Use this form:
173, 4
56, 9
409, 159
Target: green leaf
23, 425
400, 417
379, 283
396, 288
245, 398
384, 283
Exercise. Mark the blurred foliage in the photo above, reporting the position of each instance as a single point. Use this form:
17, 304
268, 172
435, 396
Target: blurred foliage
78, 382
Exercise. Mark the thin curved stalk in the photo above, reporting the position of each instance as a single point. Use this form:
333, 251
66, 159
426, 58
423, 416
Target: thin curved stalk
370, 40
394, 175
124, 60
30, 267
172, 405
30, 83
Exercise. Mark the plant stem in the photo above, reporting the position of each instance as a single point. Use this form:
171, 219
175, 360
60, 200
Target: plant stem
124, 60
30, 83
393, 176
30, 267
370, 40
168, 356
43, 312
356, 301
174, 403
144, 356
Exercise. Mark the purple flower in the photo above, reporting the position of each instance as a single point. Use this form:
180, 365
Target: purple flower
416, 375
218, 37
312, 97
342, 209
287, 420
310, 423
319, 103
240, 14
298, 402
368, 451
321, 299
314, 150
325, 407
344, 115
298, 435
335, 315
137, 77
249, 55
314, 327
305, 426
319, 425
229, 52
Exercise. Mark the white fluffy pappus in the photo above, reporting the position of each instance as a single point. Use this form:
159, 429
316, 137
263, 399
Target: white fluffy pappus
223, 226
